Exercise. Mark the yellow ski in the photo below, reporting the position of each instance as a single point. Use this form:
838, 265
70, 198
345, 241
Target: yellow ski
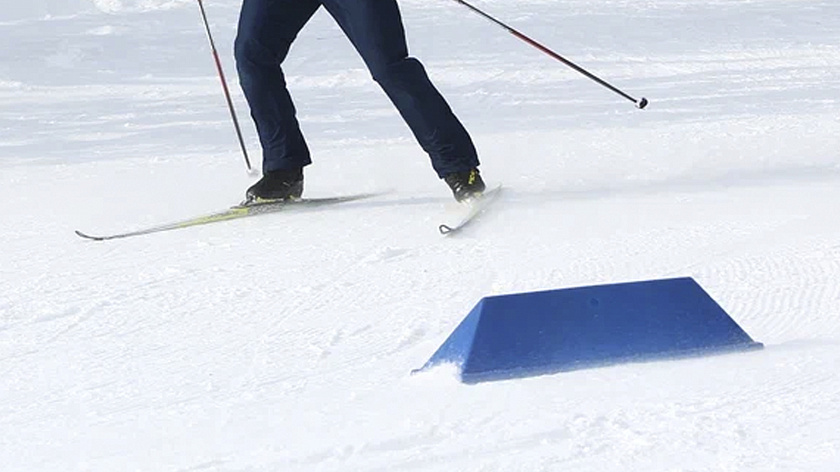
233, 213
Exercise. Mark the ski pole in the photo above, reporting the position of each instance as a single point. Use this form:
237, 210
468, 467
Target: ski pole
224, 86
639, 103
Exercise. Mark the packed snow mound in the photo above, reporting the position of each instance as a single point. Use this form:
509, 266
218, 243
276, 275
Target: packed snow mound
142, 5
43, 8
39, 9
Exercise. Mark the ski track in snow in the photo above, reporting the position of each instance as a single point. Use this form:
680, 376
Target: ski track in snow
285, 342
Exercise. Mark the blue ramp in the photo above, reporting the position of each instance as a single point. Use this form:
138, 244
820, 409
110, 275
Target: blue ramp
538, 333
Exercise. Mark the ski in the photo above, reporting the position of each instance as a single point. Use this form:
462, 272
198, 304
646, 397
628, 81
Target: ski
233, 213
473, 209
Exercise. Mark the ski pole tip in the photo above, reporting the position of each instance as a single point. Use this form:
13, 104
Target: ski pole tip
641, 104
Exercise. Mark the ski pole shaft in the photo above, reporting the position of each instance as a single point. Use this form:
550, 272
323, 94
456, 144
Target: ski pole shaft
225, 86
639, 103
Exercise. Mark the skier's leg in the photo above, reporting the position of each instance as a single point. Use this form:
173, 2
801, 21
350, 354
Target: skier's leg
265, 33
375, 28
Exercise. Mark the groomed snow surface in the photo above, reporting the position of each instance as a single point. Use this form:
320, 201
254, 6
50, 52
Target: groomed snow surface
285, 342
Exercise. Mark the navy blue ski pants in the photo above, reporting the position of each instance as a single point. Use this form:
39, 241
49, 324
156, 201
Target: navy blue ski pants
266, 31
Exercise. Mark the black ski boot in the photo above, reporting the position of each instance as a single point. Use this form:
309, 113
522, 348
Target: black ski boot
465, 185
276, 185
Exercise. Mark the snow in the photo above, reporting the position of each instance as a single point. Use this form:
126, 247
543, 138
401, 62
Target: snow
285, 342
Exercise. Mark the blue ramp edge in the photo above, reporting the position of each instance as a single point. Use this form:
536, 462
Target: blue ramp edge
537, 333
